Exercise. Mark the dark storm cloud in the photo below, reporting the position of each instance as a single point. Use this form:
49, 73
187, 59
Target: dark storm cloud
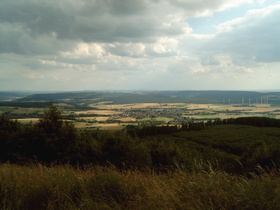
50, 21
19, 40
82, 20
40, 17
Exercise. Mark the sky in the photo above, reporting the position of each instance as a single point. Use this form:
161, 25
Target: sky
71, 45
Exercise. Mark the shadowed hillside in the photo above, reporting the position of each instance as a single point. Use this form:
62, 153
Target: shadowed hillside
213, 97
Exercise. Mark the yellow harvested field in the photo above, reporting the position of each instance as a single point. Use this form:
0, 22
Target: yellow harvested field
28, 120
102, 118
173, 104
214, 107
127, 119
142, 105
94, 118
206, 106
263, 109
99, 112
221, 116
86, 118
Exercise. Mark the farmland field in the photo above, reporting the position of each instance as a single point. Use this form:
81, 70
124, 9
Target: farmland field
95, 118
101, 126
172, 113
28, 120
98, 112
105, 115
127, 119
124, 106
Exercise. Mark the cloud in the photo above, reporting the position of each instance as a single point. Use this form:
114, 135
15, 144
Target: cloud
207, 8
16, 39
130, 43
104, 21
250, 39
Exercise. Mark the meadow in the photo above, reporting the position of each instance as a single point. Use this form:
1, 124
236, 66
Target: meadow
65, 187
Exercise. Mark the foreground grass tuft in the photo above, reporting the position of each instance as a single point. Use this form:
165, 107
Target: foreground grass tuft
63, 187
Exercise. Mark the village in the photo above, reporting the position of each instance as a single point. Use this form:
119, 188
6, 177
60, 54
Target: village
175, 115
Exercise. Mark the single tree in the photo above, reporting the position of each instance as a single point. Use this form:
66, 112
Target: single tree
52, 121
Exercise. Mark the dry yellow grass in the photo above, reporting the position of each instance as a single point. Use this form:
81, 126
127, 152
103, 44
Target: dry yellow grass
64, 187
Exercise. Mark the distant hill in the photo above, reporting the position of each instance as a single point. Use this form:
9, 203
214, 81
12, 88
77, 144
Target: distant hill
213, 97
10, 96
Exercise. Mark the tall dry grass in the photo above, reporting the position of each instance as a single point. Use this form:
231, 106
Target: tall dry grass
64, 187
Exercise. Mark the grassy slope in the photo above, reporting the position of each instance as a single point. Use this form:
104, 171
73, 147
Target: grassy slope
233, 148
202, 186
62, 187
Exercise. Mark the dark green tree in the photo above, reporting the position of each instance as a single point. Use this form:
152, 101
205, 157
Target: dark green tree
52, 121
8, 131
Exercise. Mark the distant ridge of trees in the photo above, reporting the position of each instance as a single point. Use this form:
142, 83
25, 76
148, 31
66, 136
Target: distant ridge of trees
195, 126
195, 96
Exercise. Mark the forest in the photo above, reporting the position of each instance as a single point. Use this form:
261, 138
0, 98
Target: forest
125, 97
217, 160
231, 141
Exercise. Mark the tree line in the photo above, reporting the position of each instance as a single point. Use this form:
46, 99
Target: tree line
196, 126
53, 140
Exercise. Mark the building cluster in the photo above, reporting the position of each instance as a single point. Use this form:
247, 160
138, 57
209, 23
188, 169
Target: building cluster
174, 113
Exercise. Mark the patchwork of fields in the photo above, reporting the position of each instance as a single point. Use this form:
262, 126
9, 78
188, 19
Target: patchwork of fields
107, 116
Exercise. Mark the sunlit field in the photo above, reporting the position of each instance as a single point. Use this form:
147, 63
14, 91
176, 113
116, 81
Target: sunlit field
28, 120
98, 112
193, 111
107, 116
